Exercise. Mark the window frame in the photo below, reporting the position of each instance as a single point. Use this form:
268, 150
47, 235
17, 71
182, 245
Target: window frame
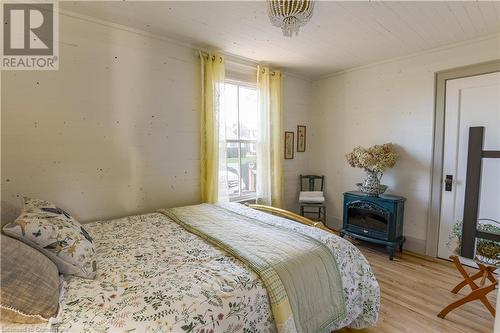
249, 197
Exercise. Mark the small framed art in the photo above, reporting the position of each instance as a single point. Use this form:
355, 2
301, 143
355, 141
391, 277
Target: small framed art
289, 145
301, 138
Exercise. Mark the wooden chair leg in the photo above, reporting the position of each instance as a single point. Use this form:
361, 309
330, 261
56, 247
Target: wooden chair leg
464, 273
464, 283
478, 292
489, 272
486, 302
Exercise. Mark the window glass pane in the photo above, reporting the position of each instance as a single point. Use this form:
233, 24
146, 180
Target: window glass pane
248, 113
233, 169
248, 167
231, 110
240, 105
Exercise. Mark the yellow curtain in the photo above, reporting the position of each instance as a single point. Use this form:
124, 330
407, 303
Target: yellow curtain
270, 143
212, 138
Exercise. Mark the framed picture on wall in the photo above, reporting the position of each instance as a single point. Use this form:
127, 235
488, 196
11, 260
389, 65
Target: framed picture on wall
289, 145
301, 138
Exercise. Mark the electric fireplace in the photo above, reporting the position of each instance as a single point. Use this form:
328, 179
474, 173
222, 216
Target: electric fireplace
378, 219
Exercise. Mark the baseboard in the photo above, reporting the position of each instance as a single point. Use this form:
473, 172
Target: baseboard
334, 222
415, 245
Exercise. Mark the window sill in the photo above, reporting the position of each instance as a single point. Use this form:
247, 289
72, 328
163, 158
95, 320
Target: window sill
245, 199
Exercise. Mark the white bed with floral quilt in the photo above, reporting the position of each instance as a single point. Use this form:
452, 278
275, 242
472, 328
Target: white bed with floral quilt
155, 276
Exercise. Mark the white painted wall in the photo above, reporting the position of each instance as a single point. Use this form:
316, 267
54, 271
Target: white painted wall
115, 131
386, 102
297, 95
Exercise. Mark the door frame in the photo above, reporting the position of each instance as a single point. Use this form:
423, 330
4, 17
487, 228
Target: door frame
433, 220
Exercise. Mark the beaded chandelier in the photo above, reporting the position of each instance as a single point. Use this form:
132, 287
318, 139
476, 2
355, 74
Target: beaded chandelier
290, 15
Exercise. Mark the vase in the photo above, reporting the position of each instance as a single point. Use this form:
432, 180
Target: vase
371, 185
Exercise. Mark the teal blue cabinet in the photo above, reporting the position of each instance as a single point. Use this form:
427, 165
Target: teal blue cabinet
377, 219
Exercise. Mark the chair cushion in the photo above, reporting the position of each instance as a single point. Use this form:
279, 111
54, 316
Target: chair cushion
30, 284
311, 197
56, 234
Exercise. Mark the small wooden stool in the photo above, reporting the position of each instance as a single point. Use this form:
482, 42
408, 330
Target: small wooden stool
478, 292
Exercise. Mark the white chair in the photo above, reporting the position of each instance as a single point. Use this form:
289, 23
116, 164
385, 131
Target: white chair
312, 201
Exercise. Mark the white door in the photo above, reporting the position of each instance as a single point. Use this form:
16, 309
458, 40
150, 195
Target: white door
471, 101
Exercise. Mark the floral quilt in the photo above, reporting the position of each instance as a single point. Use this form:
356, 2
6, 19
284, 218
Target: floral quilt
154, 276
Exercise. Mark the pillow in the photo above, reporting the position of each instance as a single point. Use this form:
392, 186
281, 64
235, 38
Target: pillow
56, 234
30, 284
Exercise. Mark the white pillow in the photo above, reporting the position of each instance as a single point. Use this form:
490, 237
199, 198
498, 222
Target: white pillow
56, 234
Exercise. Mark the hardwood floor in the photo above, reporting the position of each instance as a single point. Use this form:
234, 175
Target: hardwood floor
414, 289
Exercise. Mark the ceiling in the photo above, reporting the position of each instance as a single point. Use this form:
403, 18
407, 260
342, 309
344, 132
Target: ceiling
340, 35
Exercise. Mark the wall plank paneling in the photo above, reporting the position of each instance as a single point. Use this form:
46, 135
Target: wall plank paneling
113, 132
297, 111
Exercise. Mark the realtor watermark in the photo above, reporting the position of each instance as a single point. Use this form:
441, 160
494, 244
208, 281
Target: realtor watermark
30, 32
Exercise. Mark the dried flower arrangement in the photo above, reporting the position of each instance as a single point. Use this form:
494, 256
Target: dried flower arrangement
375, 159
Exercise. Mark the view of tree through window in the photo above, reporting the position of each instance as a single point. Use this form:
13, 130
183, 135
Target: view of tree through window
241, 140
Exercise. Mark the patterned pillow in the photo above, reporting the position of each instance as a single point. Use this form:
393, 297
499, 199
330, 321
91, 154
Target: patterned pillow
56, 234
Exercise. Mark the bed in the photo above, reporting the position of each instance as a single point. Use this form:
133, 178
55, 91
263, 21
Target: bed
155, 276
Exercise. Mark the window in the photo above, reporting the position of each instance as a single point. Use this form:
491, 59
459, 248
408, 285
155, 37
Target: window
241, 140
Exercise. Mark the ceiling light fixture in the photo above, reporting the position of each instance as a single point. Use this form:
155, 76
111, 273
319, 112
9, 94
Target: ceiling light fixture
290, 15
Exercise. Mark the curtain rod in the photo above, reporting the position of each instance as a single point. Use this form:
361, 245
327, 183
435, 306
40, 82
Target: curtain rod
237, 60
233, 59
206, 54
